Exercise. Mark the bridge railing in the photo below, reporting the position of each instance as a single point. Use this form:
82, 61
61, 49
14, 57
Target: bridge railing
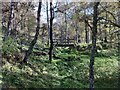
64, 41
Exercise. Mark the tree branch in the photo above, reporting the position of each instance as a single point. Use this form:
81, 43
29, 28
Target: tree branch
88, 24
101, 18
108, 12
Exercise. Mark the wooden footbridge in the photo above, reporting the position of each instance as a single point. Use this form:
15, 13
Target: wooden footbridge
64, 43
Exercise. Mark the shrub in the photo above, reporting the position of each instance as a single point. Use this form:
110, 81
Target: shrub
104, 45
10, 48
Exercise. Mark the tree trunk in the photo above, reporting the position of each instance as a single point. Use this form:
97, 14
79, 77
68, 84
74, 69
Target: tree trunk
93, 50
9, 20
76, 26
86, 28
100, 31
42, 35
105, 37
66, 28
86, 33
51, 34
27, 54
119, 42
48, 21
77, 32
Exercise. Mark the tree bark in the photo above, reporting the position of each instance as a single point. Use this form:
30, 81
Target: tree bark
86, 33
9, 20
66, 28
51, 34
93, 50
105, 37
43, 35
27, 54
77, 32
119, 42
86, 27
76, 26
48, 21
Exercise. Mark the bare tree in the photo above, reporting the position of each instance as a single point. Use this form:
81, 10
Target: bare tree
27, 54
119, 41
93, 50
51, 35
66, 24
86, 28
48, 21
9, 19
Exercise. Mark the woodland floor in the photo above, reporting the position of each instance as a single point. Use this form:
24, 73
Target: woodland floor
69, 69
72, 71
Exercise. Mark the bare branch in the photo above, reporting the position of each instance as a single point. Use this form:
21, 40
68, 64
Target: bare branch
113, 23
109, 12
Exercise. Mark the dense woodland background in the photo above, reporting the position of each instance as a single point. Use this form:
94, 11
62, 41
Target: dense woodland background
59, 44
